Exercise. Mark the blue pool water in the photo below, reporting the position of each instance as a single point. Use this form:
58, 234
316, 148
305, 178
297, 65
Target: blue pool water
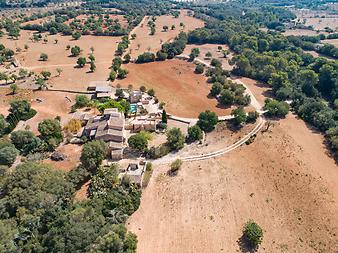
133, 108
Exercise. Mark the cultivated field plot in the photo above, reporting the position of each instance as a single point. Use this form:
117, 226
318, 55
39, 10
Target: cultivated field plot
318, 19
276, 181
175, 83
146, 42
333, 42
300, 32
213, 49
72, 78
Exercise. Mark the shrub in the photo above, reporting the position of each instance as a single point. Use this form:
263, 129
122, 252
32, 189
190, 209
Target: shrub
253, 234
73, 126
175, 167
81, 101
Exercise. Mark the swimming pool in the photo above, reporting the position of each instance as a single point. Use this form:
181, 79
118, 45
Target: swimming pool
133, 108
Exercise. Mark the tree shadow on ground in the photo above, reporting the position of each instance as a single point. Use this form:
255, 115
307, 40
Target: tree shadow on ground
243, 246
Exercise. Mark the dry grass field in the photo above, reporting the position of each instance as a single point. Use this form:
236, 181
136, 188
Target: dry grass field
72, 78
333, 42
213, 49
175, 83
146, 42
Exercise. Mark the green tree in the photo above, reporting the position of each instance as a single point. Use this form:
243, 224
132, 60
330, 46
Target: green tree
216, 89
14, 88
43, 57
164, 117
25, 141
239, 116
46, 74
76, 35
199, 69
175, 139
122, 73
195, 133
51, 132
112, 76
207, 121
194, 53
151, 92
165, 28
253, 234
81, 62
8, 155
227, 97
3, 125
276, 108
75, 51
116, 64
21, 109
139, 141
127, 58
92, 67
81, 101
93, 153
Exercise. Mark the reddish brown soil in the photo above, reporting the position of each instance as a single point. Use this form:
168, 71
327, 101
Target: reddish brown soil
174, 81
276, 181
259, 90
73, 153
82, 194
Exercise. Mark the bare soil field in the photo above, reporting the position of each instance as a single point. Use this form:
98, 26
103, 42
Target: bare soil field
318, 19
276, 181
213, 49
333, 42
73, 153
146, 42
300, 32
53, 104
175, 83
259, 90
321, 23
72, 78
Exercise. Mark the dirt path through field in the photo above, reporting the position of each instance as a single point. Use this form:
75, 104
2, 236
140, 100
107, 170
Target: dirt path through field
277, 181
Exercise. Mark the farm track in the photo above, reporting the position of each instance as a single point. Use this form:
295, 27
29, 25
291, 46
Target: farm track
254, 131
